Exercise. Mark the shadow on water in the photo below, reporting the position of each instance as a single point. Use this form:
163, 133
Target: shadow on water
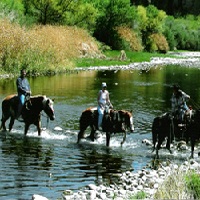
26, 151
102, 162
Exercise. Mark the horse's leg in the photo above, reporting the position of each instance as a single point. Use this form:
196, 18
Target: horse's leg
107, 139
3, 123
39, 127
157, 156
170, 137
124, 138
92, 137
80, 135
168, 144
192, 146
12, 119
155, 132
160, 141
26, 128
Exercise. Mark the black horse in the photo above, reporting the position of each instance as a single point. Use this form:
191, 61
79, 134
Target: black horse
193, 129
162, 128
31, 111
166, 126
114, 121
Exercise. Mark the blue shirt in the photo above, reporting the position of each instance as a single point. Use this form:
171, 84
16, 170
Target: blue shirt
22, 86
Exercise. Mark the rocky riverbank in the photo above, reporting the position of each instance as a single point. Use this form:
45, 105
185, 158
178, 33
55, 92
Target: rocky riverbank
186, 59
146, 180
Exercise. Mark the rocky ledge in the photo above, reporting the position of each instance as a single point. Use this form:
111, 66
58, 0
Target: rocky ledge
146, 180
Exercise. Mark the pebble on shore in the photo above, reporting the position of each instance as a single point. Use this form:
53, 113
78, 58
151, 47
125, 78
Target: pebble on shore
130, 183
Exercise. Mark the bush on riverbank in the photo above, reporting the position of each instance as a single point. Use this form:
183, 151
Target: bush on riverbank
42, 49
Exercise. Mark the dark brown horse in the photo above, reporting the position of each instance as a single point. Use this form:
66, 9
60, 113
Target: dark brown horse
165, 126
114, 121
193, 129
31, 111
162, 127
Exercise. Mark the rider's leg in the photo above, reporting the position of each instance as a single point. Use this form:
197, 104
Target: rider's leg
20, 105
100, 117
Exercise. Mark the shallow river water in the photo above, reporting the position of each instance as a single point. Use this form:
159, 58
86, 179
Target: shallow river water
49, 164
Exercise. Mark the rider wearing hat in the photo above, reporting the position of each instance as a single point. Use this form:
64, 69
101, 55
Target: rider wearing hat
178, 100
103, 100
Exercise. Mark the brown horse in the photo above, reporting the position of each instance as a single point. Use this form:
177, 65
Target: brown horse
31, 111
114, 121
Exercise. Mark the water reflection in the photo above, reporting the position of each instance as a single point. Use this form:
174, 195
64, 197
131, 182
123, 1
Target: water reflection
26, 151
102, 162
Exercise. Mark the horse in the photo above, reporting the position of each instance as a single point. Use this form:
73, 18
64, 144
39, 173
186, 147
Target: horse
114, 121
166, 126
193, 129
31, 111
162, 127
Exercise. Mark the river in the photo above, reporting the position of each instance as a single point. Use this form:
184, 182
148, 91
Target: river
49, 164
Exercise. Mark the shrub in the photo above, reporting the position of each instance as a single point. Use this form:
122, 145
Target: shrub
133, 40
157, 42
182, 33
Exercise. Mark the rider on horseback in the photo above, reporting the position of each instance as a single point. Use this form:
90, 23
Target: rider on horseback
103, 100
179, 106
23, 90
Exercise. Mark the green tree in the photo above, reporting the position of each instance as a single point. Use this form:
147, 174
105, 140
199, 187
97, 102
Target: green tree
49, 11
114, 13
83, 15
151, 21
62, 12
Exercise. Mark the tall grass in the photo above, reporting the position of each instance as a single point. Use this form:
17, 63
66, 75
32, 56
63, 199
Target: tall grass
180, 184
42, 49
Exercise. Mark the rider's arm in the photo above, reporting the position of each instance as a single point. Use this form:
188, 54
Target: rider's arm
186, 96
108, 100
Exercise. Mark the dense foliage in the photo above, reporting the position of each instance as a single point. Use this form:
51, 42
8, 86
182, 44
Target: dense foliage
103, 18
116, 24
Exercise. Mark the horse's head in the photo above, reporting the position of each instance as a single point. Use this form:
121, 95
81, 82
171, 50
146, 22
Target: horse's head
128, 119
48, 107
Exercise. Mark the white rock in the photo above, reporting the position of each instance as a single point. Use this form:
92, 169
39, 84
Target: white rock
140, 187
92, 187
57, 128
38, 197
